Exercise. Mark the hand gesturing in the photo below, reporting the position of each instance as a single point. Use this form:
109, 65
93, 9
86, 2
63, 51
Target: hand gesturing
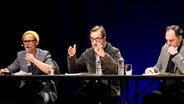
72, 50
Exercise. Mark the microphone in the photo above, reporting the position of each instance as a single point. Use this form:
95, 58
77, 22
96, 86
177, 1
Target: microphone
28, 63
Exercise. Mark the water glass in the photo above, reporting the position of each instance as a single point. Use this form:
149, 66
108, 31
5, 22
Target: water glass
128, 69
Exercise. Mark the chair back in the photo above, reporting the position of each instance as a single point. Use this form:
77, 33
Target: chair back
56, 71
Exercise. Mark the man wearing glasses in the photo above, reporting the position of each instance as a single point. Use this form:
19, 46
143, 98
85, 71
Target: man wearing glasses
40, 63
94, 92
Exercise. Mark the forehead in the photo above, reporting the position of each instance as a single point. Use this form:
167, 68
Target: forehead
170, 34
95, 34
28, 36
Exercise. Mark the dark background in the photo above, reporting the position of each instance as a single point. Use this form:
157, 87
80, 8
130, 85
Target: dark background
136, 27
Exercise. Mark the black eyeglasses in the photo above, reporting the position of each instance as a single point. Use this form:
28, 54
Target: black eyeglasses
95, 39
28, 41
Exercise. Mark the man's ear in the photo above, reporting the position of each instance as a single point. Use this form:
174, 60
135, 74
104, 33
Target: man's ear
180, 37
37, 43
105, 37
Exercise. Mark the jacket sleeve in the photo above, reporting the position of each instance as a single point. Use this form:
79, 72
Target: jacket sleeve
158, 66
76, 65
179, 62
111, 61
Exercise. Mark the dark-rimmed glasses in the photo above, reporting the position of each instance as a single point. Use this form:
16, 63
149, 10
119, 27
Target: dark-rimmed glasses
28, 41
95, 39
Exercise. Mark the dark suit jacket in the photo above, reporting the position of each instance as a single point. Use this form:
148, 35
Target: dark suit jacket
108, 63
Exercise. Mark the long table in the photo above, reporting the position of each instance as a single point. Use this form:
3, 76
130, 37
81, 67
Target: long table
87, 76
96, 77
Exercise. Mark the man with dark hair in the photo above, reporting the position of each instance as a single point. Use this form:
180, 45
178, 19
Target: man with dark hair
96, 92
170, 61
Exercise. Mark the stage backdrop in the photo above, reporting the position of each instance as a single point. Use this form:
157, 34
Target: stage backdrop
136, 27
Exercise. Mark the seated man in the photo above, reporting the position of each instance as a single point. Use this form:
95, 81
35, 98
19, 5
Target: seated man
170, 61
94, 92
32, 61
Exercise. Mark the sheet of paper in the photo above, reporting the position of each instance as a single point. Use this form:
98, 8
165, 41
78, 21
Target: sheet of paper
72, 73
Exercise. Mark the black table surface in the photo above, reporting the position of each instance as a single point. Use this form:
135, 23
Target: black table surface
93, 76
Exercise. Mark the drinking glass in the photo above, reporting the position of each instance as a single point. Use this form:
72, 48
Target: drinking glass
128, 69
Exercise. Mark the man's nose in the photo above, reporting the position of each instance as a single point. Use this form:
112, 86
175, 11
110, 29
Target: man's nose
169, 44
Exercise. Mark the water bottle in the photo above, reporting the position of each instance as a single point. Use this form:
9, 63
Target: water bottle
98, 66
28, 62
121, 66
